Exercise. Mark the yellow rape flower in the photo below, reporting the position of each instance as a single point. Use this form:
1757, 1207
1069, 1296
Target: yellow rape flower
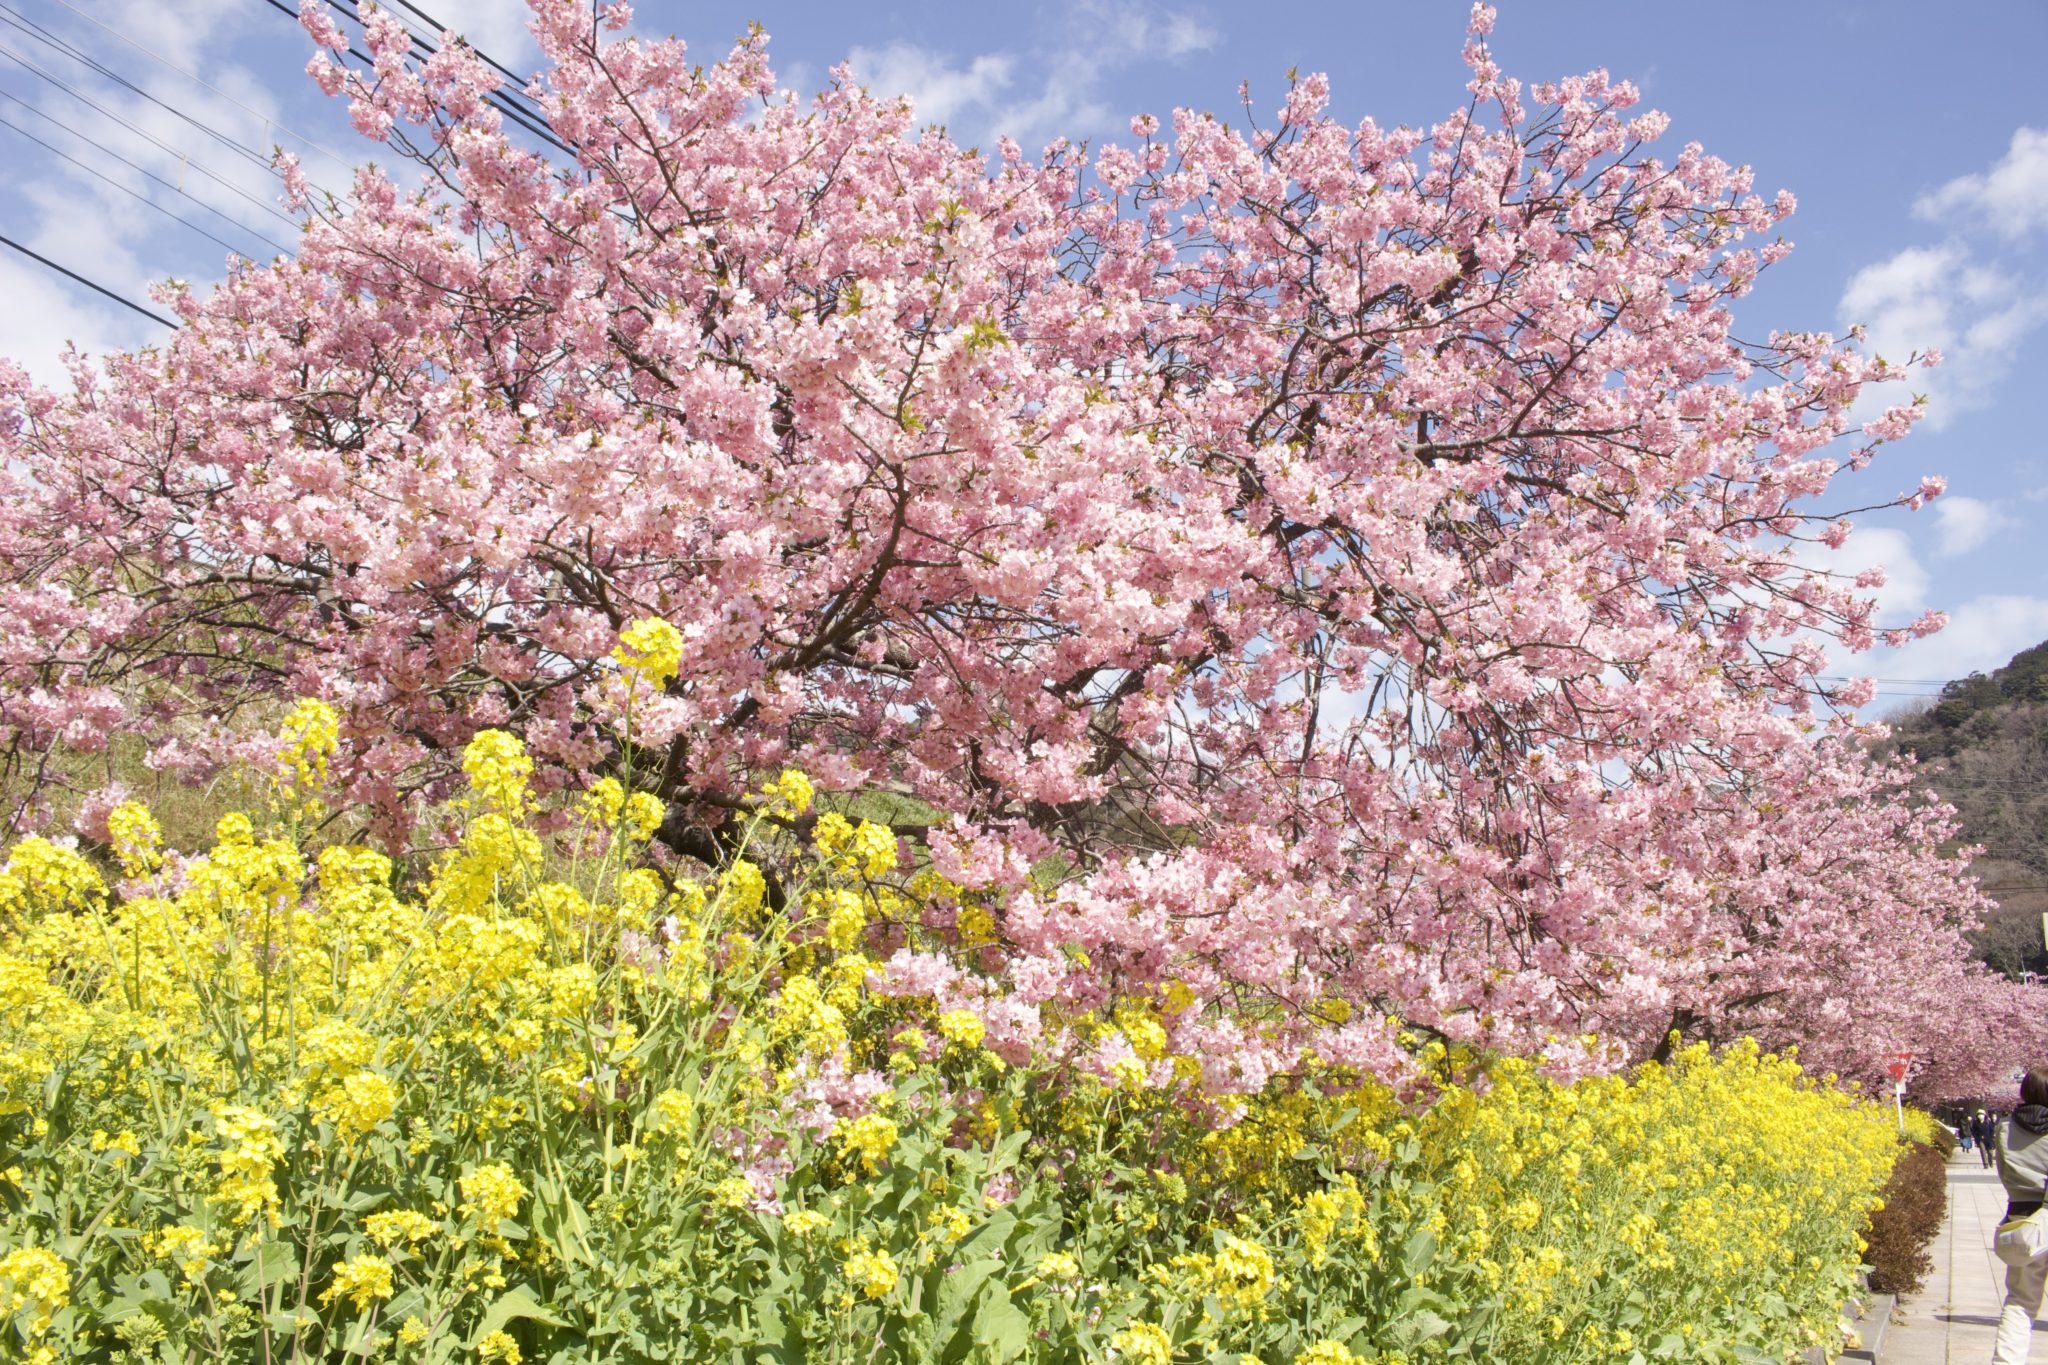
866, 849
1058, 1267
358, 1103
609, 807
670, 1113
1146, 1034
393, 1226
801, 1011
335, 1047
1129, 1072
308, 738
35, 1279
359, 1280
498, 770
249, 1150
742, 890
962, 1026
867, 1139
650, 649
498, 1349
844, 915
1243, 1272
186, 1247
492, 1194
1328, 1352
47, 878
789, 795
873, 1273
122, 1144
1141, 1343
136, 837
571, 990
804, 1223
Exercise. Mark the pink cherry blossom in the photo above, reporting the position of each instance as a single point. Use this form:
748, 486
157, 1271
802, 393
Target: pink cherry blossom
1365, 557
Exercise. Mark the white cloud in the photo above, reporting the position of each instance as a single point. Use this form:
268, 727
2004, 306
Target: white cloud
83, 222
1942, 297
1965, 523
2012, 196
986, 96
180, 32
1981, 635
1185, 35
938, 89
1904, 594
45, 312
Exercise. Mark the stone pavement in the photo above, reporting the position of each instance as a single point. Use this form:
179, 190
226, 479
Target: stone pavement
1954, 1317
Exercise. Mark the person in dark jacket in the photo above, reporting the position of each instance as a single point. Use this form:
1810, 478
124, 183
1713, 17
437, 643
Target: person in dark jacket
2021, 1146
1986, 1129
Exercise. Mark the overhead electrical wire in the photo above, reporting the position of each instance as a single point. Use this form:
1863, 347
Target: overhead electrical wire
157, 142
487, 58
14, 19
129, 190
269, 121
532, 121
514, 105
93, 285
137, 168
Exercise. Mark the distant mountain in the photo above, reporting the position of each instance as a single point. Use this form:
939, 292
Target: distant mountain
1972, 708
1984, 747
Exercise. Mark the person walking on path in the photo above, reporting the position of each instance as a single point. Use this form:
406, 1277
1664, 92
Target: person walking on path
1986, 1129
2021, 1149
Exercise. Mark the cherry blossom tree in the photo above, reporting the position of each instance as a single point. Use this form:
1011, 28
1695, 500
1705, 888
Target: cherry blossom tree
1828, 926
1365, 560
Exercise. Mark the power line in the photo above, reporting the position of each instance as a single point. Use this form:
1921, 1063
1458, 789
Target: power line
514, 106
50, 40
173, 216
87, 100
533, 122
336, 157
140, 170
489, 60
89, 284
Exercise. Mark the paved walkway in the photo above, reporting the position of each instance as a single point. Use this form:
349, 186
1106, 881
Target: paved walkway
1954, 1317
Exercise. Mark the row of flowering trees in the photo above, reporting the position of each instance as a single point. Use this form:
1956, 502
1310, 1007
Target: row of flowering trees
1303, 562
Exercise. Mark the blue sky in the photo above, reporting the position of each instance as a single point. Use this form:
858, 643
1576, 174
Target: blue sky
1913, 138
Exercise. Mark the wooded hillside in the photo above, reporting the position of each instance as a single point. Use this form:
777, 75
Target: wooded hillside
1985, 743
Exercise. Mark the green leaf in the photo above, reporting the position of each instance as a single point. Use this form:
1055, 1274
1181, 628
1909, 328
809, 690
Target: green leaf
1001, 1329
272, 1263
516, 1302
953, 1307
1425, 1324
1419, 1250
992, 1232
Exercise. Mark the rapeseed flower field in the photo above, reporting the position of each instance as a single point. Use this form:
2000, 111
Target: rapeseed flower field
540, 1097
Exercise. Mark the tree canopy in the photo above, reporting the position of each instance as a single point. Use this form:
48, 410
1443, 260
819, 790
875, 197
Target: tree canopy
1365, 561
